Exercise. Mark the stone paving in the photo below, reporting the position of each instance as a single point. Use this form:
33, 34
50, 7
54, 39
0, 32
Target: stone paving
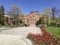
22, 31
6, 39
17, 36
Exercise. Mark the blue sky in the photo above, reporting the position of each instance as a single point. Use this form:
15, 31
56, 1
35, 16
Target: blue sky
30, 5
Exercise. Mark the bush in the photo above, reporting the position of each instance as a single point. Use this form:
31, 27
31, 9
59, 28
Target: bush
25, 25
0, 25
58, 25
52, 24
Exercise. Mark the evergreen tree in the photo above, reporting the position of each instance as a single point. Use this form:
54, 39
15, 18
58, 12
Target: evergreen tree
1, 15
39, 21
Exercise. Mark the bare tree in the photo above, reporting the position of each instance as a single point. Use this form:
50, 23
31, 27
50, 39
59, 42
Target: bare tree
54, 11
14, 12
58, 13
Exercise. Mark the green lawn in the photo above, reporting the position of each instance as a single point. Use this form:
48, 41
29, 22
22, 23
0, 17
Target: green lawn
4, 26
54, 30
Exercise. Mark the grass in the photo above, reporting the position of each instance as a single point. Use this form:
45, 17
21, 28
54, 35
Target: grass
4, 26
54, 30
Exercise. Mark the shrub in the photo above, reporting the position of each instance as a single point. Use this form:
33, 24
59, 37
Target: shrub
0, 25
58, 25
52, 24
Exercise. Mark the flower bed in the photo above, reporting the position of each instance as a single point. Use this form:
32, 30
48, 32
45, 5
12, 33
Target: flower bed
45, 39
58, 41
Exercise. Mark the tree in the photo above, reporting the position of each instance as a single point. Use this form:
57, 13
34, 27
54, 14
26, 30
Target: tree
52, 14
48, 13
58, 13
54, 11
15, 11
1, 15
39, 21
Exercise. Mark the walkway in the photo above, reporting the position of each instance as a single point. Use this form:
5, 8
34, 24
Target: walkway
6, 39
22, 31
17, 36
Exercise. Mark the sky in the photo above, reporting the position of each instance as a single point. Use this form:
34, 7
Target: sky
30, 5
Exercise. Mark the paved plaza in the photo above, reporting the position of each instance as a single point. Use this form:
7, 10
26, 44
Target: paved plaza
17, 36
